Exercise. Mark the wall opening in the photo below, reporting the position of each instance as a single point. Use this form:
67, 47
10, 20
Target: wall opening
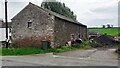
29, 25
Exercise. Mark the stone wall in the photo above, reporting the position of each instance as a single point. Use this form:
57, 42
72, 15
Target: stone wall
64, 29
83, 33
41, 27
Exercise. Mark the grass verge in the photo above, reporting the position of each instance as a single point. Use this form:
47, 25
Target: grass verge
36, 50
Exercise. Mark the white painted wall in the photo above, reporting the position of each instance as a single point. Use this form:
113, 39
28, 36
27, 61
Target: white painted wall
3, 34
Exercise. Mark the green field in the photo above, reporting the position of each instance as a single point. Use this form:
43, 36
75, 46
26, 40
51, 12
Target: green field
109, 31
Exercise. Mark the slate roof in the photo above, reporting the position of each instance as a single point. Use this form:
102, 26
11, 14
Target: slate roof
1, 19
58, 15
4, 25
1, 22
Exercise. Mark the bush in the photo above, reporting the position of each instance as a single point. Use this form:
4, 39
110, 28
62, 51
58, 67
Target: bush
78, 46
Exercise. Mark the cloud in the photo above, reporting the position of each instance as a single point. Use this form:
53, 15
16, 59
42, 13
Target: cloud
96, 12
89, 12
1, 11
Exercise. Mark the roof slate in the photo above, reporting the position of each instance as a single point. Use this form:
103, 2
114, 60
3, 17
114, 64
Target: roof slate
58, 15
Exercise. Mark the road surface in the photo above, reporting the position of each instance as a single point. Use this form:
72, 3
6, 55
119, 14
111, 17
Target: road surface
90, 57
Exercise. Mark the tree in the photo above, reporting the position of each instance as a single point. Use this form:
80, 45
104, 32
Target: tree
108, 26
103, 26
59, 8
111, 26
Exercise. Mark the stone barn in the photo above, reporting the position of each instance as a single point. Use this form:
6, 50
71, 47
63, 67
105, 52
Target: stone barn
34, 24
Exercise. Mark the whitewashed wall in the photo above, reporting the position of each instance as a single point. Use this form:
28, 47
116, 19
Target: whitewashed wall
3, 34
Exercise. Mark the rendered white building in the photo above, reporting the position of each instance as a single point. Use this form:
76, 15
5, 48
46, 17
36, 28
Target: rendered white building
3, 32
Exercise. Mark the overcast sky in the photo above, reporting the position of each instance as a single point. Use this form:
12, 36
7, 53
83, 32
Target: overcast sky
93, 13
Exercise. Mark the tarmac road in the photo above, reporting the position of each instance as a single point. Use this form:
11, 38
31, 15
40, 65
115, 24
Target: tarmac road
91, 57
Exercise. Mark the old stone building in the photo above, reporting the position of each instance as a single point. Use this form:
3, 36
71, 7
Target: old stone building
34, 24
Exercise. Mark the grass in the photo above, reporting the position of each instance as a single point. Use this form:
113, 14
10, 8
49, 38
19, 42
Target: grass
110, 31
21, 51
36, 50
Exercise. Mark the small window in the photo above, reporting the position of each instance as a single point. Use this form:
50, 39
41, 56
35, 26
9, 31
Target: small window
29, 24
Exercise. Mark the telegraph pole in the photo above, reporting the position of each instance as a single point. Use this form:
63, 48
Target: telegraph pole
6, 23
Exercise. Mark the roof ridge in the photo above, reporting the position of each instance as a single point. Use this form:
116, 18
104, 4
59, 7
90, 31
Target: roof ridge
58, 15
42, 8
53, 13
48, 10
